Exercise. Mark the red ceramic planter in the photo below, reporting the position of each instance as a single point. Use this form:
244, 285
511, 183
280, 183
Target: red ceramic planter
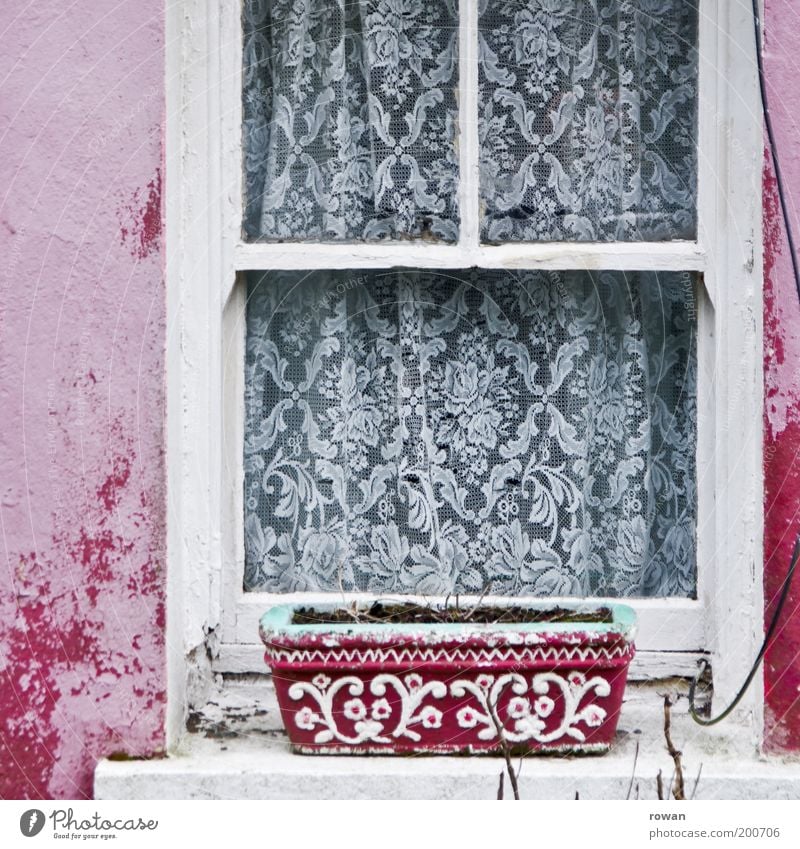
367, 688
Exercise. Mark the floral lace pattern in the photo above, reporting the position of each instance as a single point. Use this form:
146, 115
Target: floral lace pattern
350, 119
588, 119
437, 432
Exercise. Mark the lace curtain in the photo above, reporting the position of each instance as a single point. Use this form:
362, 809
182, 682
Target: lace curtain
588, 119
350, 119
434, 433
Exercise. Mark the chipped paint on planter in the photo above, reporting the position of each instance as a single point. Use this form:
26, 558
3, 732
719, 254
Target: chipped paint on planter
380, 688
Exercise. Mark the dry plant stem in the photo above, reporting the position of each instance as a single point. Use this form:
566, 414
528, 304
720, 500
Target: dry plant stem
477, 604
353, 609
500, 786
679, 791
633, 772
660, 786
506, 749
697, 781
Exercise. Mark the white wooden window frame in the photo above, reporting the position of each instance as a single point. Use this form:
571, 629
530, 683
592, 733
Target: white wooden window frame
206, 255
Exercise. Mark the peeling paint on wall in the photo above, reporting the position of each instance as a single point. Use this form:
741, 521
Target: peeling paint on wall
781, 384
82, 332
140, 220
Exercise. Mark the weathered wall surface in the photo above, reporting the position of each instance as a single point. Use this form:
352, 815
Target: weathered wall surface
782, 377
82, 494
82, 500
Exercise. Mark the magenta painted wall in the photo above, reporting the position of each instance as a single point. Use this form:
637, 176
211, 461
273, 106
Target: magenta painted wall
782, 377
82, 330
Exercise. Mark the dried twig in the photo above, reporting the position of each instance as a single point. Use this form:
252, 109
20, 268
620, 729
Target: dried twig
633, 771
500, 786
505, 748
697, 780
352, 610
471, 612
660, 786
679, 791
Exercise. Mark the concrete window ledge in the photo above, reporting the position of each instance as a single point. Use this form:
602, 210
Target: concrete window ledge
236, 750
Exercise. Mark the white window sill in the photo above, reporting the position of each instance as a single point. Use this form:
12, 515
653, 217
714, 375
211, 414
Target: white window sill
237, 750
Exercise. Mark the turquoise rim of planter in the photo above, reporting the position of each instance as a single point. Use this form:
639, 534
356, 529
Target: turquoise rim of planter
277, 620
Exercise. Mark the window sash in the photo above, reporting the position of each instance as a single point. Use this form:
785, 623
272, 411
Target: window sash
672, 631
271, 255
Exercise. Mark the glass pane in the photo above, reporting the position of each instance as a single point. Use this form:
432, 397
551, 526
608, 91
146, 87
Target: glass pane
435, 432
588, 120
350, 119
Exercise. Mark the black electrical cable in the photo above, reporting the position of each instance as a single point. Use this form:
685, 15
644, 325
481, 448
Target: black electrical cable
762, 82
787, 581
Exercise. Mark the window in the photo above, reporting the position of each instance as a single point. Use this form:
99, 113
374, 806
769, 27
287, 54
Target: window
466, 297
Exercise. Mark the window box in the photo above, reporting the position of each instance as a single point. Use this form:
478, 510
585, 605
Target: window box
370, 687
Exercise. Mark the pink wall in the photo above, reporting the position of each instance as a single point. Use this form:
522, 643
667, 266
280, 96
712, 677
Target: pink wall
82, 329
782, 378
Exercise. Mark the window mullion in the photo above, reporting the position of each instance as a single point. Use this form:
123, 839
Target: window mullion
468, 124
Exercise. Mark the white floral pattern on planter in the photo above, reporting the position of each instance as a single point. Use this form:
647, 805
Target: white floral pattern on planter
522, 719
527, 724
355, 709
